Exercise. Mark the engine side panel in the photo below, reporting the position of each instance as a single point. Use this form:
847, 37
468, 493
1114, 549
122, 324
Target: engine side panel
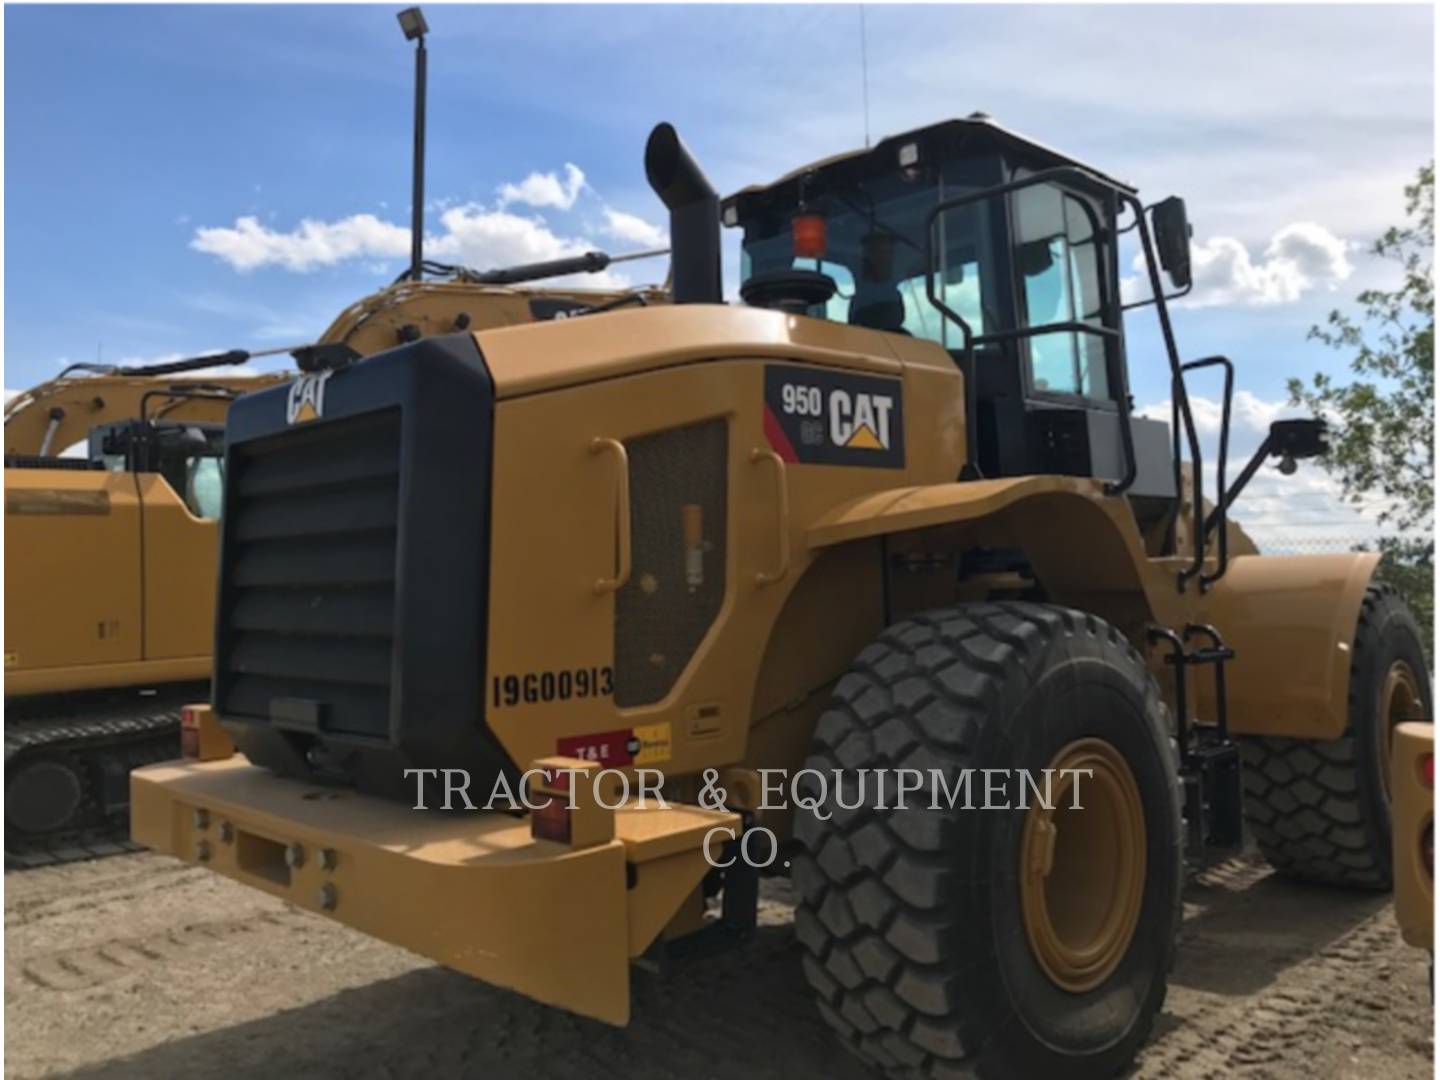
72, 573
179, 580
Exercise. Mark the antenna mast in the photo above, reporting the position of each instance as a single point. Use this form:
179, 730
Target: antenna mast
865, 76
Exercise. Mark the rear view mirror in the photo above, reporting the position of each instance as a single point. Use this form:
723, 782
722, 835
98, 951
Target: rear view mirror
1172, 239
1300, 438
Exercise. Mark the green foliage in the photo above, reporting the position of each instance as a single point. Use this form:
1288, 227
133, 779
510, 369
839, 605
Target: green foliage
1382, 445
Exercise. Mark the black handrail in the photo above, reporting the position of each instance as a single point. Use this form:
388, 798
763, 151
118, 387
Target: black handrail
178, 394
1222, 540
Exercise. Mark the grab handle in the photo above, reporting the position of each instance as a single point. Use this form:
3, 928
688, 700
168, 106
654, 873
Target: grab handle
782, 512
616, 449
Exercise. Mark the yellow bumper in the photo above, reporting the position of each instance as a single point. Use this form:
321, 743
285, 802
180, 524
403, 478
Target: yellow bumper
471, 890
1413, 808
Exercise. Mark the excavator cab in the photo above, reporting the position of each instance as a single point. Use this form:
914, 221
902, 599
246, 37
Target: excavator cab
999, 250
190, 457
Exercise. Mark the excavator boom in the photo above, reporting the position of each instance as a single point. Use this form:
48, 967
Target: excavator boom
49, 418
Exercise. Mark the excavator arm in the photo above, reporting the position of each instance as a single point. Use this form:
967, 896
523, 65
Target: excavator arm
409, 310
50, 417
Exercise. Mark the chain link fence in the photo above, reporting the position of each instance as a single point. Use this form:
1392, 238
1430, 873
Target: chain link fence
1299, 544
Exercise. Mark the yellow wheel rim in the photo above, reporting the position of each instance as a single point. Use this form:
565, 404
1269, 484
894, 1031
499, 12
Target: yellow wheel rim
1082, 871
1399, 701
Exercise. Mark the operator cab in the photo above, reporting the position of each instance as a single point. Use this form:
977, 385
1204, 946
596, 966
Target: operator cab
189, 456
999, 250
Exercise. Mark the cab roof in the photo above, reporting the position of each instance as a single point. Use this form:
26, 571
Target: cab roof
977, 132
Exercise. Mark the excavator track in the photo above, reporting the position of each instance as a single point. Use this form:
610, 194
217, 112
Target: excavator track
67, 791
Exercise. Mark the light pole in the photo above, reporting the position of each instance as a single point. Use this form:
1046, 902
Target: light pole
412, 21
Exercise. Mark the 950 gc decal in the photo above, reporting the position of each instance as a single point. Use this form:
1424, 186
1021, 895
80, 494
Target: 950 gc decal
814, 416
535, 687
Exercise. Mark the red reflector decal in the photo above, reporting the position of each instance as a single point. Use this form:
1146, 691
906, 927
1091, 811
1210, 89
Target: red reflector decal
617, 748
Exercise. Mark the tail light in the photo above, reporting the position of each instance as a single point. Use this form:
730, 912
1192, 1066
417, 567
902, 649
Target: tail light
1427, 771
566, 807
201, 736
189, 734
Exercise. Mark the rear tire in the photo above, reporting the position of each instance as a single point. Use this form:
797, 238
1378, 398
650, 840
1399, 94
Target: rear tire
913, 920
1320, 809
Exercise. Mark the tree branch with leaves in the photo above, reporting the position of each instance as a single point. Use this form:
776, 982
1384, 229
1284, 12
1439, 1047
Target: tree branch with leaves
1382, 447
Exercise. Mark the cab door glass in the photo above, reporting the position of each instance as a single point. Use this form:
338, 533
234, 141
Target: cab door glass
958, 238
1087, 298
1059, 266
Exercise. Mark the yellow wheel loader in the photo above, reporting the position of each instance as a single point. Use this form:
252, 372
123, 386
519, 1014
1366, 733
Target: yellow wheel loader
537, 645
110, 555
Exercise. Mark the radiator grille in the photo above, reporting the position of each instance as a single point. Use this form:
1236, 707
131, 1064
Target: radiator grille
660, 616
309, 573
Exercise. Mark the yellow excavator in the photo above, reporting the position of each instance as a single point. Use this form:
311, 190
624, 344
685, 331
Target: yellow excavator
113, 483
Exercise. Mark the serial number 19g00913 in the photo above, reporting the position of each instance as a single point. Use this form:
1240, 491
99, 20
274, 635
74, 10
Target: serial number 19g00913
534, 687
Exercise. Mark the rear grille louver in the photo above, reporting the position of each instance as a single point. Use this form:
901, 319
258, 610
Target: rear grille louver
350, 642
310, 574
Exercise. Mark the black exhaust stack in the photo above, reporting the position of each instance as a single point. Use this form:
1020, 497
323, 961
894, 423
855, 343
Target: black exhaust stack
694, 217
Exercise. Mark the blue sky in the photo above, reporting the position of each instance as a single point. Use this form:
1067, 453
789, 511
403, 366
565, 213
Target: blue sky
162, 160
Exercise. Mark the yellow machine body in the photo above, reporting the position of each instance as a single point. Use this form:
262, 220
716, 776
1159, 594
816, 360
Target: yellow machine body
658, 537
1412, 786
804, 568
110, 574
111, 582
476, 892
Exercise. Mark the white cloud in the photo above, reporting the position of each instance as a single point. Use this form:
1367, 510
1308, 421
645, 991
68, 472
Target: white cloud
545, 189
10, 395
1299, 258
482, 238
471, 235
1249, 414
249, 245
634, 230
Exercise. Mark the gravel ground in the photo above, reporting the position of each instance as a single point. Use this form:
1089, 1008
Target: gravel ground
137, 965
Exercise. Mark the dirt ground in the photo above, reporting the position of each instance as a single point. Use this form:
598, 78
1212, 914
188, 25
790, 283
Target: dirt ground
139, 966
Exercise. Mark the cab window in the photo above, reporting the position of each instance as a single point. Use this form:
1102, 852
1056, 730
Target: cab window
1057, 258
876, 246
204, 486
